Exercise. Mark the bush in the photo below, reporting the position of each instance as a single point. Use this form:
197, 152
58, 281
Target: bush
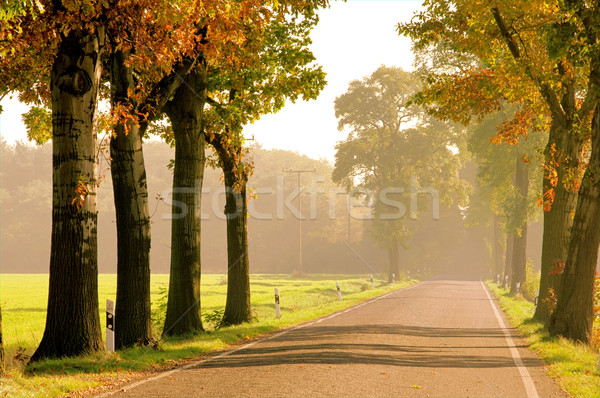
213, 318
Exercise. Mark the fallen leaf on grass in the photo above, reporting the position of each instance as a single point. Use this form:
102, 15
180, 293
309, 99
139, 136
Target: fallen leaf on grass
415, 386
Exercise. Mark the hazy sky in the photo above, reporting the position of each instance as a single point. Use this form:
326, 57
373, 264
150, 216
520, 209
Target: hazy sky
351, 41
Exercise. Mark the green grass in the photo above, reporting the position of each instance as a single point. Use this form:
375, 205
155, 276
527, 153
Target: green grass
574, 365
24, 298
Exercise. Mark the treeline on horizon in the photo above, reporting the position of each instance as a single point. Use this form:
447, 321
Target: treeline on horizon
328, 245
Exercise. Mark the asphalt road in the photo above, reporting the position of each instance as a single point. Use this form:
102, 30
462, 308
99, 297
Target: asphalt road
441, 338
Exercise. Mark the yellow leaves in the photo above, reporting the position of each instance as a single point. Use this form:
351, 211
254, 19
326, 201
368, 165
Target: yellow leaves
38, 122
461, 96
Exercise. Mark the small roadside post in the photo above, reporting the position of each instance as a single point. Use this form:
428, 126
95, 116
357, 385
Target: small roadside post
110, 326
372, 281
277, 308
506, 281
518, 288
394, 278
337, 285
498, 279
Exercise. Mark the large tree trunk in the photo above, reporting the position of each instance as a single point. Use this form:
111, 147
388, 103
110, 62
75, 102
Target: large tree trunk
573, 316
185, 112
72, 320
237, 307
519, 261
132, 309
559, 219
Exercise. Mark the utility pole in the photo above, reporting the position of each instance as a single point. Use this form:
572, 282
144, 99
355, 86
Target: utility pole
298, 172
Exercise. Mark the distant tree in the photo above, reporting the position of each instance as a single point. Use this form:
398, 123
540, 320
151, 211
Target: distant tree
383, 150
508, 179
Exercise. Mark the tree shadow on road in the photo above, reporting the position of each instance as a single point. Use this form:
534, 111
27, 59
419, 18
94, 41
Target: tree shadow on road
339, 346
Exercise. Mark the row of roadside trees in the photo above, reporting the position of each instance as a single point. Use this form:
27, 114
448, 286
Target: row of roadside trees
541, 59
210, 68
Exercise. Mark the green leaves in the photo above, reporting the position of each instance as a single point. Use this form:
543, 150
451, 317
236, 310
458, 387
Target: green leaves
394, 147
276, 66
38, 122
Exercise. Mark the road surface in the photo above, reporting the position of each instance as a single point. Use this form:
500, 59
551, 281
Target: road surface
440, 338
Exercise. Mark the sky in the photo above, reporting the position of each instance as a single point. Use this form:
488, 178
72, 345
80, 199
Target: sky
351, 41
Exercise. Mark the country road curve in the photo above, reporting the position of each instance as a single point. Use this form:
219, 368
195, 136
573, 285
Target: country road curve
445, 337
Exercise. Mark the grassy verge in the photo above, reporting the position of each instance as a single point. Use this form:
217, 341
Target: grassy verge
23, 312
574, 365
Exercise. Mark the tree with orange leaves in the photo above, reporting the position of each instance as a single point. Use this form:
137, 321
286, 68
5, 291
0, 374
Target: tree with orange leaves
213, 105
539, 55
54, 55
144, 78
144, 48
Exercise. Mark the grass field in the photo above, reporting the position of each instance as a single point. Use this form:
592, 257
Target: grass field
24, 298
574, 365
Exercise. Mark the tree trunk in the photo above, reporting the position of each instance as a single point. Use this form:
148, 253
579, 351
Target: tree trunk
237, 307
508, 258
132, 309
394, 258
559, 219
519, 261
497, 247
185, 112
573, 316
72, 320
